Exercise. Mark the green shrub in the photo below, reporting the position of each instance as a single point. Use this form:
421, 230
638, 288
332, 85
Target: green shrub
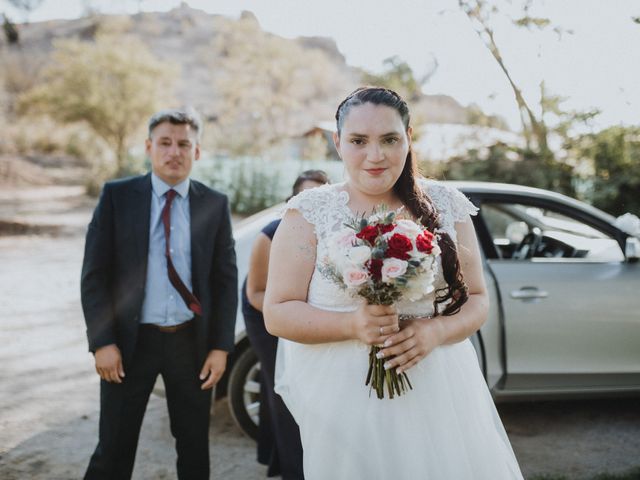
502, 163
614, 155
253, 183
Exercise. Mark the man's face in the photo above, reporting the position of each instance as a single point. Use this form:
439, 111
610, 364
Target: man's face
172, 150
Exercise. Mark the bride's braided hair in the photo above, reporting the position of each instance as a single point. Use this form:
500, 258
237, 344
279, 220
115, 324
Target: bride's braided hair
454, 295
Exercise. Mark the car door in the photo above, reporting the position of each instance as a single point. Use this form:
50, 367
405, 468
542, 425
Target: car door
570, 300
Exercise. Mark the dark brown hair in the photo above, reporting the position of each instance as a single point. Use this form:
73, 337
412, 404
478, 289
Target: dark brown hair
414, 198
318, 176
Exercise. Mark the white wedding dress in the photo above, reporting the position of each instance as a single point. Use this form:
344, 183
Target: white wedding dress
446, 428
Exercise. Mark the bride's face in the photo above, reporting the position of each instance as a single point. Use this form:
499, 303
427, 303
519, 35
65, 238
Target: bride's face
373, 145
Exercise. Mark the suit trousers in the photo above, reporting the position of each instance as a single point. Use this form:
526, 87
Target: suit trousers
122, 407
281, 437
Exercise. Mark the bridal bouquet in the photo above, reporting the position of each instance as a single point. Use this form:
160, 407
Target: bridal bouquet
383, 258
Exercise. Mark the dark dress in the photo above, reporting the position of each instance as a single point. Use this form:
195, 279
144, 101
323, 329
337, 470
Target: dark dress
279, 444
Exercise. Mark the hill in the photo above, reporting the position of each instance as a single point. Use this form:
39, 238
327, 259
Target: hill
189, 39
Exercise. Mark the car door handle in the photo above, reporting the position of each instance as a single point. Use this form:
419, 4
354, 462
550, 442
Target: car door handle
528, 293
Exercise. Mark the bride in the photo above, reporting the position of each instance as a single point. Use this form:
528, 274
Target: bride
447, 427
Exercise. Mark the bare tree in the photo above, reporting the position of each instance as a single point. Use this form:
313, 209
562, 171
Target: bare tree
481, 13
554, 174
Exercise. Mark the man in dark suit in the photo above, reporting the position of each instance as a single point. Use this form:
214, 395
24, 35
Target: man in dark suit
159, 294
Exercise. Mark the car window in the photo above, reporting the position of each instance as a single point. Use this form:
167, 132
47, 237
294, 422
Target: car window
523, 232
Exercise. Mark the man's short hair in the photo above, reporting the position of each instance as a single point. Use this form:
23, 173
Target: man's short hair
179, 116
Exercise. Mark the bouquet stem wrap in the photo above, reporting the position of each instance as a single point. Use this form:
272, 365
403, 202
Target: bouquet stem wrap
378, 378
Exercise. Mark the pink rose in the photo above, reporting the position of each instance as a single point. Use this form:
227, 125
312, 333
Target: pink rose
345, 238
354, 277
393, 268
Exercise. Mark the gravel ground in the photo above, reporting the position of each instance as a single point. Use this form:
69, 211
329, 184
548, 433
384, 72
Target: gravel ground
49, 394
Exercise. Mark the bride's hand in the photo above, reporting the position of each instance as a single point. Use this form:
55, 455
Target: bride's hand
417, 339
373, 324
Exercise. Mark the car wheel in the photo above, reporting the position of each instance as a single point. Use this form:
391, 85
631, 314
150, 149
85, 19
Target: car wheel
244, 392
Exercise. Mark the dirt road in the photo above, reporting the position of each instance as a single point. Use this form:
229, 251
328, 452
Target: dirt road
49, 391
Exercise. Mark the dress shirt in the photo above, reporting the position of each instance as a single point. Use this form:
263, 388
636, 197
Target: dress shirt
162, 303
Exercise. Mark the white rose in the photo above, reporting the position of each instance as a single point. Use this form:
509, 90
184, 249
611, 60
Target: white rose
418, 288
393, 268
354, 277
339, 243
425, 257
359, 255
428, 264
408, 228
414, 292
417, 254
423, 284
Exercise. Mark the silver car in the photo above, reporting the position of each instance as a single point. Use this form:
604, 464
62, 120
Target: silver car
564, 282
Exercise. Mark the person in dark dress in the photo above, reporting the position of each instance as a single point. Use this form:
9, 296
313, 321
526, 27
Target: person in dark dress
279, 444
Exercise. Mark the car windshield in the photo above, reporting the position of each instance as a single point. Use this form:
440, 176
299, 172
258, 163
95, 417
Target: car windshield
550, 220
524, 231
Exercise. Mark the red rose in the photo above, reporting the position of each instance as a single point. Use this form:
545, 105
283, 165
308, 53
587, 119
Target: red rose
399, 246
386, 228
375, 268
423, 242
368, 234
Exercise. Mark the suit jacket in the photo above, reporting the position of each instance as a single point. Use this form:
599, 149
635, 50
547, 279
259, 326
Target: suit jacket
115, 266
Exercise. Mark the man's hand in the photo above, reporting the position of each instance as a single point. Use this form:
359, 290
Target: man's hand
109, 363
213, 368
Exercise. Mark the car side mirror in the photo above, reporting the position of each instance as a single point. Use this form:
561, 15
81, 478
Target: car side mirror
632, 249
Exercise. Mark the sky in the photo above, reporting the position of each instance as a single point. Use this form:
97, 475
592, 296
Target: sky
596, 66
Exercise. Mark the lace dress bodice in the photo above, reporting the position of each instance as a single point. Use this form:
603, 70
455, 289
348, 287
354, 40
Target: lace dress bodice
326, 208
